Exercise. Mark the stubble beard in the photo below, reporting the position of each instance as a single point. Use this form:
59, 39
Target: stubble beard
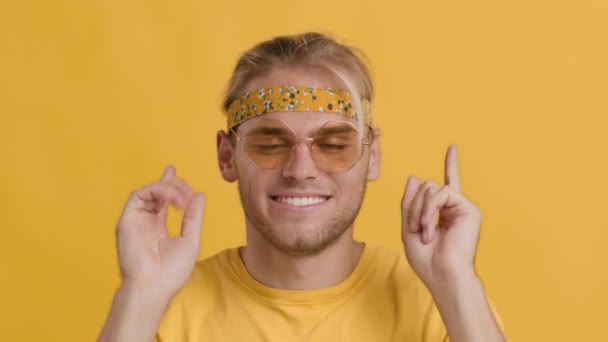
299, 240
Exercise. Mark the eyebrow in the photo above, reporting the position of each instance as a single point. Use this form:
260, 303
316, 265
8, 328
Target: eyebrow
345, 128
337, 129
268, 131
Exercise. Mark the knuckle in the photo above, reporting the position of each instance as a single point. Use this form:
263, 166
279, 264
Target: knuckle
431, 186
430, 183
118, 229
133, 196
181, 181
411, 215
477, 210
433, 189
424, 216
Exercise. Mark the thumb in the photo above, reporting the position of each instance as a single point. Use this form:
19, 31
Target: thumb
168, 175
411, 188
193, 218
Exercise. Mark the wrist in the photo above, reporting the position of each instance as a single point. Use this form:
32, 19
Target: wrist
135, 314
145, 293
456, 288
464, 309
452, 284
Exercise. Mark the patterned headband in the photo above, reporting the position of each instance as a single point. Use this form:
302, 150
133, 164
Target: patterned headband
294, 99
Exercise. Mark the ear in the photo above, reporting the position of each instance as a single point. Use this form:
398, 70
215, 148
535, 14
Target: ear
225, 157
375, 156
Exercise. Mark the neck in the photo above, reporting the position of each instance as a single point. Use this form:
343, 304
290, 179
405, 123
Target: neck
306, 272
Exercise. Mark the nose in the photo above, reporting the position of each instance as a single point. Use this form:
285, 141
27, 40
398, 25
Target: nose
301, 165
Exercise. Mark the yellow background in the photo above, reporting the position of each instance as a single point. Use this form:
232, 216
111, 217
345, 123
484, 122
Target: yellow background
96, 97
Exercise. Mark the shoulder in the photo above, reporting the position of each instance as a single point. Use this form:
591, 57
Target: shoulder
196, 301
207, 275
208, 278
391, 265
389, 274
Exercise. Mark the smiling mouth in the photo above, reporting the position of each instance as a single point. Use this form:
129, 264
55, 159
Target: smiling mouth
300, 201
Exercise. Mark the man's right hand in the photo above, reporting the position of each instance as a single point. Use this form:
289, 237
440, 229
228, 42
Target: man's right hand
149, 258
154, 266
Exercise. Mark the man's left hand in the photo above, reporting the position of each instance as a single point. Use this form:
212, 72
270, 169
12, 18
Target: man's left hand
440, 228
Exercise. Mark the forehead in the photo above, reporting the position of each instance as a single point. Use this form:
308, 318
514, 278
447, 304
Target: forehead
302, 123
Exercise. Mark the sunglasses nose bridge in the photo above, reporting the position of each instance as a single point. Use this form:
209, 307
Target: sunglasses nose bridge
297, 141
301, 164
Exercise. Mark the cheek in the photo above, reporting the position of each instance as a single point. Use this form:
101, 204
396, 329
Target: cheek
357, 176
352, 183
245, 169
252, 182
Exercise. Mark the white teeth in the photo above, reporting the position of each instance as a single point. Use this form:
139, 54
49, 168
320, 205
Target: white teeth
301, 201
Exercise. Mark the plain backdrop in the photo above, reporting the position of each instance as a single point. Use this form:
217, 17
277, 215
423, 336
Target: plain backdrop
98, 96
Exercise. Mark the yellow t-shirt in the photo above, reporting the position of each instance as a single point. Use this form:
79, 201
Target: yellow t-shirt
382, 300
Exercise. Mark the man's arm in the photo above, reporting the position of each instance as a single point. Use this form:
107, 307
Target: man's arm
465, 311
440, 231
135, 314
154, 266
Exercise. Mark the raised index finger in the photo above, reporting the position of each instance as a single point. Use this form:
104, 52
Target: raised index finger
452, 175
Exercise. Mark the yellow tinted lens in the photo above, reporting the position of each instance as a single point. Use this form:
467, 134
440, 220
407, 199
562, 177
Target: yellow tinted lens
337, 146
269, 144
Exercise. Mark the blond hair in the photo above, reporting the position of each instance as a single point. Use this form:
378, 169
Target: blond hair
309, 50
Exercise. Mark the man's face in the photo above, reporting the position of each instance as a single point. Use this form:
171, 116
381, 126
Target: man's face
299, 208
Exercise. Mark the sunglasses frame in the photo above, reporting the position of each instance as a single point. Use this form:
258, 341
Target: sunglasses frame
308, 142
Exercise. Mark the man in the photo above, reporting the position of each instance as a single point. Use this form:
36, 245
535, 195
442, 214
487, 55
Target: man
301, 143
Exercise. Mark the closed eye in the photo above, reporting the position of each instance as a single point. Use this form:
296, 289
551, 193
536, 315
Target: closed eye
270, 148
332, 147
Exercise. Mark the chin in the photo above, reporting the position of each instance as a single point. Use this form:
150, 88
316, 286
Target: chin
298, 239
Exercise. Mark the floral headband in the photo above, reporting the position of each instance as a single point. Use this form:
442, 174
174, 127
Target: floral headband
294, 99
